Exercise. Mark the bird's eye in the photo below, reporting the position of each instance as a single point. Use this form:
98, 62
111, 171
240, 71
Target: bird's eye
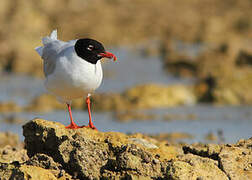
90, 47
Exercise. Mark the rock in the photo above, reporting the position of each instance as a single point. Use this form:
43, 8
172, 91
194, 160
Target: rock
131, 115
155, 95
236, 161
6, 107
18, 39
43, 161
110, 102
81, 150
204, 150
177, 62
221, 80
125, 103
10, 154
11, 149
8, 138
48, 102
244, 58
14, 163
195, 167
221, 69
33, 172
44, 103
231, 88
143, 142
46, 162
172, 137
146, 96
17, 171
204, 89
13, 119
229, 81
175, 117
59, 153
211, 137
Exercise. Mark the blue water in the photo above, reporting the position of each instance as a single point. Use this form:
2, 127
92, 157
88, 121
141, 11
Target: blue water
132, 69
235, 122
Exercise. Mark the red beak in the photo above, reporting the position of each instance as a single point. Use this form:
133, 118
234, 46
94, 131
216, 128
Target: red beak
108, 55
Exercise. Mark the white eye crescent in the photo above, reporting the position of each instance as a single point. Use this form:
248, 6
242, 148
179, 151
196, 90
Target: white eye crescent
90, 47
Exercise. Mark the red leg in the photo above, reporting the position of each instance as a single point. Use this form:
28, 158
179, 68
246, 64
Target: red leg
72, 124
90, 124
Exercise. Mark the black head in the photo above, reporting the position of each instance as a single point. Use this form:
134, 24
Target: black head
89, 50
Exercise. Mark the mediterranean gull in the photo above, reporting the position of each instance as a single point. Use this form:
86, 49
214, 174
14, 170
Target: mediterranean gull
72, 69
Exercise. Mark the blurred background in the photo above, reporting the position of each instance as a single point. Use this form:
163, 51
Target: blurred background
184, 69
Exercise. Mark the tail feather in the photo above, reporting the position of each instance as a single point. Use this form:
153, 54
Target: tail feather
54, 34
39, 50
52, 37
46, 40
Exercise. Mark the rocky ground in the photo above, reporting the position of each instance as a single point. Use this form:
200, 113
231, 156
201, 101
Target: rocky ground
53, 152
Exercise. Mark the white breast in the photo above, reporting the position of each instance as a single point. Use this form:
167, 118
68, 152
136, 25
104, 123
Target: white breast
73, 77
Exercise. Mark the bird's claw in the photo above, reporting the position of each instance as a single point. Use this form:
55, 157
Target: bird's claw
93, 127
72, 126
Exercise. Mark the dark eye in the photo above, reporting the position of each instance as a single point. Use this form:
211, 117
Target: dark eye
90, 47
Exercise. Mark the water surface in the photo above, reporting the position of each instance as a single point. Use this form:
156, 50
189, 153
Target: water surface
132, 69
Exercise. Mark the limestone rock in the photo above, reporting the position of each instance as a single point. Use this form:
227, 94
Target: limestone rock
60, 153
195, 167
44, 103
146, 96
48, 102
139, 97
173, 136
155, 95
8, 138
236, 161
130, 115
47, 162
18, 171
81, 150
10, 154
9, 107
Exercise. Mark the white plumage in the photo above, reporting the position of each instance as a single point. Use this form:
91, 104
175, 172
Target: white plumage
67, 75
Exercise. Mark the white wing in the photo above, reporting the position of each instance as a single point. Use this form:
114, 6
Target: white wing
50, 52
